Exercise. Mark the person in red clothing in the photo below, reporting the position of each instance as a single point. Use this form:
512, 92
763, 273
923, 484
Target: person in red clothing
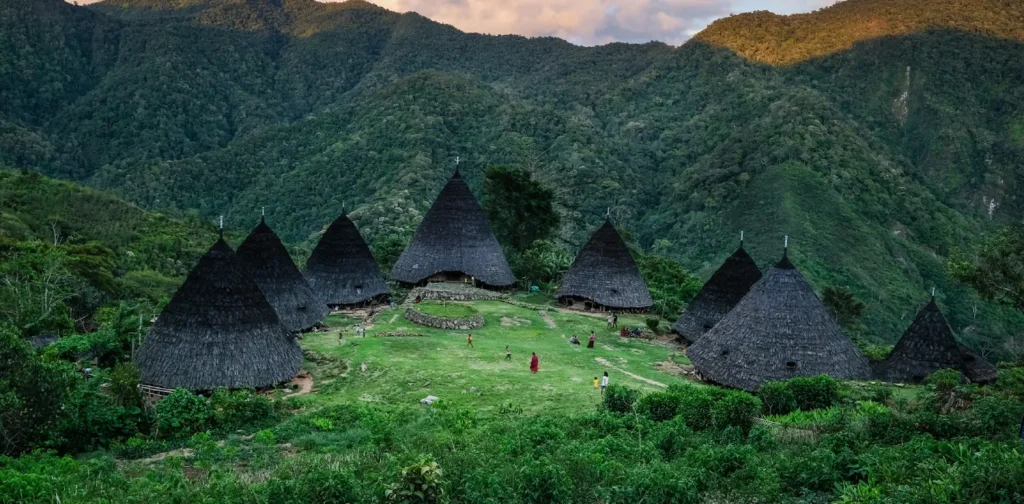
593, 338
534, 363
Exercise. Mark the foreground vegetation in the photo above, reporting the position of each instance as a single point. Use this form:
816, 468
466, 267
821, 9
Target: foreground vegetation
681, 445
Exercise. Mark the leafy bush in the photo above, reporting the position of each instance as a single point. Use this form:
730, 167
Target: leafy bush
420, 482
242, 408
694, 405
182, 414
735, 409
814, 392
652, 324
620, 399
659, 406
777, 398
944, 380
137, 447
323, 424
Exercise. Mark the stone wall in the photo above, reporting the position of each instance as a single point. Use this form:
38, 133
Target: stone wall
451, 324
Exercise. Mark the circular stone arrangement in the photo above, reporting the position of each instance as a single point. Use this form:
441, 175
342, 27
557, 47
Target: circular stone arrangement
461, 323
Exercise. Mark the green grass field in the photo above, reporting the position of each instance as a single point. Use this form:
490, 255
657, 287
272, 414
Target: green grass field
398, 368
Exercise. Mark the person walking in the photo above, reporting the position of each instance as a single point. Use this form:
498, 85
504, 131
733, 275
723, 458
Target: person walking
534, 363
469, 342
508, 353
595, 383
604, 382
593, 338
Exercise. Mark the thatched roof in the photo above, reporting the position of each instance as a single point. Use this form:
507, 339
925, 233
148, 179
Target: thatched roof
268, 263
719, 295
778, 331
454, 237
604, 272
218, 331
342, 270
927, 346
975, 367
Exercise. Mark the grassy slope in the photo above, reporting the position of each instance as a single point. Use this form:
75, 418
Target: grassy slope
399, 367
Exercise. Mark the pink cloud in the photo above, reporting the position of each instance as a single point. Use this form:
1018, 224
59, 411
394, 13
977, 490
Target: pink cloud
588, 22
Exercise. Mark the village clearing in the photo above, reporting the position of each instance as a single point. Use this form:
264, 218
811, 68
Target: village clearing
404, 370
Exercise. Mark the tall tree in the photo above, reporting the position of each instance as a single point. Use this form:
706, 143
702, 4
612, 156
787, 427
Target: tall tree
520, 209
996, 267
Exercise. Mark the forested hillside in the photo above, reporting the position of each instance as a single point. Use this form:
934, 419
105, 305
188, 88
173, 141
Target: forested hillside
66, 251
879, 135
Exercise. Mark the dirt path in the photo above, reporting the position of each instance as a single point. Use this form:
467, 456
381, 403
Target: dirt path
548, 320
304, 382
606, 363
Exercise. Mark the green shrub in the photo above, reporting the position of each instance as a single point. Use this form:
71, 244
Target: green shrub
323, 424
137, 447
694, 405
652, 324
620, 399
814, 392
735, 409
944, 380
776, 398
1011, 381
239, 409
659, 406
182, 414
420, 482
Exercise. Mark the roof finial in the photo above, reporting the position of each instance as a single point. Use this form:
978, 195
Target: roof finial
608, 214
741, 239
933, 292
785, 243
263, 211
222, 227
458, 159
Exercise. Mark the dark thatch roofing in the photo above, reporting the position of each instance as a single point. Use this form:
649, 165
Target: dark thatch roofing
454, 237
927, 346
268, 263
218, 331
342, 270
604, 272
719, 295
975, 367
778, 331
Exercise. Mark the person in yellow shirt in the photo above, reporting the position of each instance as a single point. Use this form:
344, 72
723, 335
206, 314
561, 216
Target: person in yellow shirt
595, 383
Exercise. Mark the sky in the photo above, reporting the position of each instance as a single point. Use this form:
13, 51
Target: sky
590, 22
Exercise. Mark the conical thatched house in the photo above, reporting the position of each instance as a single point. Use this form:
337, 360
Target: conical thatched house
218, 331
928, 346
719, 295
604, 275
268, 263
454, 243
342, 271
778, 331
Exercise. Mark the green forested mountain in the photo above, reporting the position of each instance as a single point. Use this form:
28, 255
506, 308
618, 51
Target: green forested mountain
879, 135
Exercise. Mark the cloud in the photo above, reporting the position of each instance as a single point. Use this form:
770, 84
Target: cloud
580, 21
589, 22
